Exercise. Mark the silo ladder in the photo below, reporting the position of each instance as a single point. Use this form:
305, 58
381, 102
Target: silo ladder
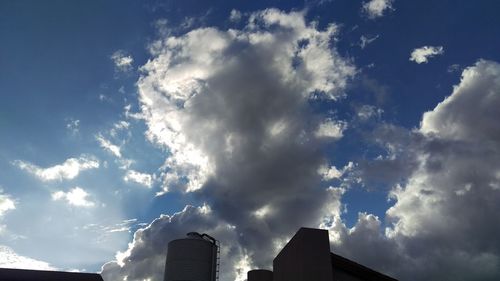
217, 266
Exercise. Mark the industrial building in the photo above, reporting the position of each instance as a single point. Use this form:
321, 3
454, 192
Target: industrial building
194, 258
306, 257
10, 274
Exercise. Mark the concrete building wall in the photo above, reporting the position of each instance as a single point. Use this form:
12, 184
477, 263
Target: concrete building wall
306, 257
340, 275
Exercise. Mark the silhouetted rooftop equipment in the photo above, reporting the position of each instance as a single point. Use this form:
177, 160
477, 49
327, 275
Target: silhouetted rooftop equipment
260, 275
194, 258
10, 274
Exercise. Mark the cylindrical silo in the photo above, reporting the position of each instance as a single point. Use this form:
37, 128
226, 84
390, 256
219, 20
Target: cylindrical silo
193, 258
260, 275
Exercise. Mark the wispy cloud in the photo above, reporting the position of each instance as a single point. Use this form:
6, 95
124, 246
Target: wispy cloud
366, 40
139, 178
73, 126
235, 15
122, 61
123, 226
70, 169
107, 145
423, 54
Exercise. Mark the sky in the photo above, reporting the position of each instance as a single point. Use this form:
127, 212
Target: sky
126, 124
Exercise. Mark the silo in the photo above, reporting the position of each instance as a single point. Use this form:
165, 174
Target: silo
193, 258
260, 275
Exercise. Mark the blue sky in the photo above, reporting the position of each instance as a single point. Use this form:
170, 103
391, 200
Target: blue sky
124, 124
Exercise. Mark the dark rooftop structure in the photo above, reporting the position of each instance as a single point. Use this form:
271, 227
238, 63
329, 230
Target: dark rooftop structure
343, 268
307, 257
9, 274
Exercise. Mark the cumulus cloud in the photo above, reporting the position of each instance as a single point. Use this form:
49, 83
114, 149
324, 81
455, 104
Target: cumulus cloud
145, 257
376, 8
70, 169
232, 109
122, 61
10, 259
139, 178
332, 172
442, 225
77, 197
185, 85
423, 54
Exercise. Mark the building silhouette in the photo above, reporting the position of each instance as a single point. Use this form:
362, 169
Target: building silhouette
10, 274
307, 257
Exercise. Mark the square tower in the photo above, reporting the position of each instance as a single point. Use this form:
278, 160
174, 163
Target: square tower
306, 257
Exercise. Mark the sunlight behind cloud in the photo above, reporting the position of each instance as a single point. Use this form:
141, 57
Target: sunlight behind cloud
76, 197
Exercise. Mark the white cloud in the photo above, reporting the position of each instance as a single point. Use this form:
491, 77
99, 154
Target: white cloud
107, 145
331, 129
445, 210
138, 177
235, 15
10, 259
231, 107
332, 172
422, 55
122, 61
6, 204
70, 169
176, 80
76, 197
376, 8
145, 257
455, 118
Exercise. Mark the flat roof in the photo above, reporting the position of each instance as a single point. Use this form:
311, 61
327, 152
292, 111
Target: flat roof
11, 274
357, 269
